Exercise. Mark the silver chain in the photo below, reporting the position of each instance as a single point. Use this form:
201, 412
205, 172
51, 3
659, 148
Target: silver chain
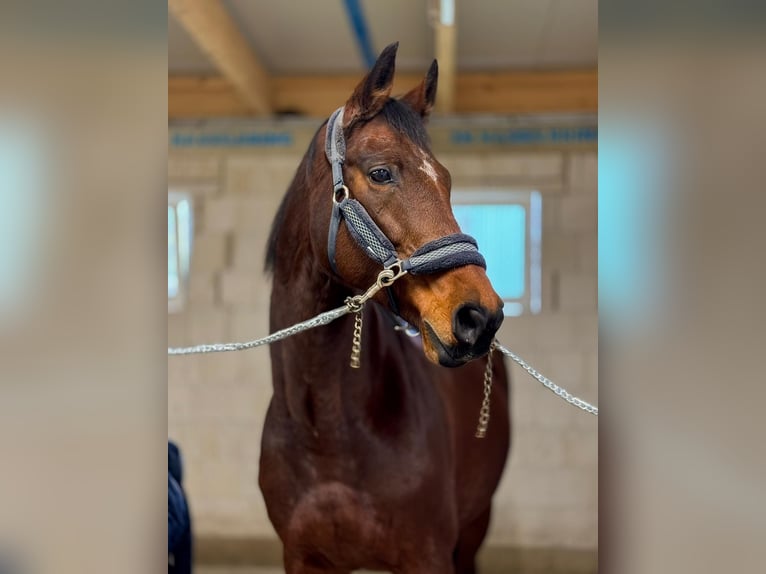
319, 320
356, 343
547, 383
481, 428
355, 305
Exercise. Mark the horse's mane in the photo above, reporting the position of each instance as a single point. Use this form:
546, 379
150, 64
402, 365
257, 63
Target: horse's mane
398, 114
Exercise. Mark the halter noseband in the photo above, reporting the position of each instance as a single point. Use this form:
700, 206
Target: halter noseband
448, 252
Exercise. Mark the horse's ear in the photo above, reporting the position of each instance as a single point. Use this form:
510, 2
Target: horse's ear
373, 92
423, 96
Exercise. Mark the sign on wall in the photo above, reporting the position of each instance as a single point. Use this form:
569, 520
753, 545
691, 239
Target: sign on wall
446, 135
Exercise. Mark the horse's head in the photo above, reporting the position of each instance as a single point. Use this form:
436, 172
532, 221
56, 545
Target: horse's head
390, 170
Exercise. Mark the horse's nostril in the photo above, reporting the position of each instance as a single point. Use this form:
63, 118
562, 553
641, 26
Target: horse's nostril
469, 323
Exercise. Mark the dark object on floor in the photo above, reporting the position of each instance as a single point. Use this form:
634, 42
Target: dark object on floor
179, 522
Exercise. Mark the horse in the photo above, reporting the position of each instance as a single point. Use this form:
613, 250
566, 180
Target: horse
378, 467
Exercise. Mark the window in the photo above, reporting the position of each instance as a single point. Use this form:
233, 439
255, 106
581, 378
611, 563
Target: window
180, 232
508, 228
26, 212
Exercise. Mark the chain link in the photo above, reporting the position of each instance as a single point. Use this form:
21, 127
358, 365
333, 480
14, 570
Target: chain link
481, 428
547, 383
356, 344
318, 321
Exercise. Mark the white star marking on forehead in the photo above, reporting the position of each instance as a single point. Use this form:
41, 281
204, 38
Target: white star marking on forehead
427, 167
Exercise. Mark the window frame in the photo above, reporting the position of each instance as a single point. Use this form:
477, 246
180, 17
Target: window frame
177, 197
531, 201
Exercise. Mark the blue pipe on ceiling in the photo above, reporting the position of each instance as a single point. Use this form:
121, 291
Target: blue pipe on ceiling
361, 31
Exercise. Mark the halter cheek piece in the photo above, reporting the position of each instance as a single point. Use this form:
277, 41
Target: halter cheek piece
448, 252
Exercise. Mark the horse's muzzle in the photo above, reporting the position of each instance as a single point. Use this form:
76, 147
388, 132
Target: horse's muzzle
473, 329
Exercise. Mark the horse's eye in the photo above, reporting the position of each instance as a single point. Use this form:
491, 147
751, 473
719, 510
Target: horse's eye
380, 175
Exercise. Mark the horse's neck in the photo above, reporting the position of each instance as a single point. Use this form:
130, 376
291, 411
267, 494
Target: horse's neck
312, 377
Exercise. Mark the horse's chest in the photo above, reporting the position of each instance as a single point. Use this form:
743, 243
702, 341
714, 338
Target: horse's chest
339, 521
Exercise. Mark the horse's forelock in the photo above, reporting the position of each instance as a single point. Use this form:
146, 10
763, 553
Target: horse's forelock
406, 121
402, 118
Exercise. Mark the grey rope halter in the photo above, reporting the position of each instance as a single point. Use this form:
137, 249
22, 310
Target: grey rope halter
448, 252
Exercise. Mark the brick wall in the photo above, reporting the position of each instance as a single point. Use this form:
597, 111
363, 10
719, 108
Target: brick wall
216, 403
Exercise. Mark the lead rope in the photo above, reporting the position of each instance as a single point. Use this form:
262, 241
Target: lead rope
355, 305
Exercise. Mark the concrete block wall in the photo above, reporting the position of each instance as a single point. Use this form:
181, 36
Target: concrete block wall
549, 493
216, 403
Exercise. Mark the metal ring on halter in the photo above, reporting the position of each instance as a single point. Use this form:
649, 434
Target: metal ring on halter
354, 304
336, 199
391, 273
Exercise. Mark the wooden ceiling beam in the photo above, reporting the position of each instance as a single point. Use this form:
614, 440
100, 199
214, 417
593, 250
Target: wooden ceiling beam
214, 31
445, 48
317, 96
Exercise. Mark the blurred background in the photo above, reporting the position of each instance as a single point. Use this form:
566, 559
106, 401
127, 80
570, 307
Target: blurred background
516, 125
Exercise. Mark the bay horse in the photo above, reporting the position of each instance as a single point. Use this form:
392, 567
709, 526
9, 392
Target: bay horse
378, 467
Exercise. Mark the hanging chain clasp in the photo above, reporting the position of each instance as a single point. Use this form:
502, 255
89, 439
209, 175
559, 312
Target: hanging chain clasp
483, 425
355, 304
356, 343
